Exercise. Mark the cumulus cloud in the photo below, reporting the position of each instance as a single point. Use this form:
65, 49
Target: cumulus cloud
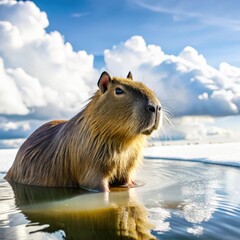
200, 128
11, 143
131, 55
39, 71
12, 129
185, 83
42, 77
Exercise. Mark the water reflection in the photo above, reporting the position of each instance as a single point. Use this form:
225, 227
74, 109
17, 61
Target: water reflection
178, 201
74, 214
184, 199
199, 204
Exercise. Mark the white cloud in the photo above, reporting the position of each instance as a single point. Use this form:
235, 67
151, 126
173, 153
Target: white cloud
40, 72
20, 15
190, 57
131, 55
14, 129
6, 126
46, 77
203, 128
185, 83
11, 143
41, 76
223, 16
11, 101
79, 14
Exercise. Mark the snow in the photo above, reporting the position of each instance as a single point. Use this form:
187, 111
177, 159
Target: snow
221, 154
6, 158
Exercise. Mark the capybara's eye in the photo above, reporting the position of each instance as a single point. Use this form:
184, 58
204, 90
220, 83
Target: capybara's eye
118, 91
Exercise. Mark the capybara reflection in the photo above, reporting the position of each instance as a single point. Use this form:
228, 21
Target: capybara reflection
82, 215
100, 146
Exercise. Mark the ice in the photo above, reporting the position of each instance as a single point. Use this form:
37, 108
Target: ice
221, 154
6, 158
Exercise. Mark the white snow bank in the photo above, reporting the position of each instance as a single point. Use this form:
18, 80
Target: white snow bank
7, 157
222, 154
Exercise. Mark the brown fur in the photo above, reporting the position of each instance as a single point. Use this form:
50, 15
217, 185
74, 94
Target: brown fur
100, 145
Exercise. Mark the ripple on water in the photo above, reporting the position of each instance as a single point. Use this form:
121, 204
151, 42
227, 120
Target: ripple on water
8, 210
182, 200
198, 197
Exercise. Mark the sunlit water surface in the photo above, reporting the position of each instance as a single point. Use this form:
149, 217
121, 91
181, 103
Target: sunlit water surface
174, 200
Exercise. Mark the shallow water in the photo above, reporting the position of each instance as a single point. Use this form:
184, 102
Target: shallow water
178, 200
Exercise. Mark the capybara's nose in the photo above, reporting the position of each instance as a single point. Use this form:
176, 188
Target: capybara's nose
152, 108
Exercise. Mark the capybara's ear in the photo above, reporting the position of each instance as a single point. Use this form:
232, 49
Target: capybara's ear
104, 81
130, 75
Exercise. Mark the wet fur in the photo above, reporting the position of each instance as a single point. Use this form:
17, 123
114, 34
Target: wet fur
100, 145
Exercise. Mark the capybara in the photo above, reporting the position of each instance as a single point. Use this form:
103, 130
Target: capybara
100, 146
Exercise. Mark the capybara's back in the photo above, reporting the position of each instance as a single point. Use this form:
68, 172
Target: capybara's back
99, 146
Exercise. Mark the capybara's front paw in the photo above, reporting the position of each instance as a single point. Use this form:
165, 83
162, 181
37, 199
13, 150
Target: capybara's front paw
105, 186
131, 183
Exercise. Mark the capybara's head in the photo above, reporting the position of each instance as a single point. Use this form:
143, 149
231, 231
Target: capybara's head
125, 107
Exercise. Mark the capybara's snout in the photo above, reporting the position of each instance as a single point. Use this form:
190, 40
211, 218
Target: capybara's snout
152, 117
153, 108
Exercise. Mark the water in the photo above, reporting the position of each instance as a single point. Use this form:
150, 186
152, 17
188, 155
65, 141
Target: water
178, 200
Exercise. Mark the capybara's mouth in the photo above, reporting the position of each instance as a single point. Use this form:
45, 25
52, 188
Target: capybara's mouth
154, 125
148, 132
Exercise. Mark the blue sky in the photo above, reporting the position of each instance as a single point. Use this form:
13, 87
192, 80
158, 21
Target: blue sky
212, 27
52, 53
